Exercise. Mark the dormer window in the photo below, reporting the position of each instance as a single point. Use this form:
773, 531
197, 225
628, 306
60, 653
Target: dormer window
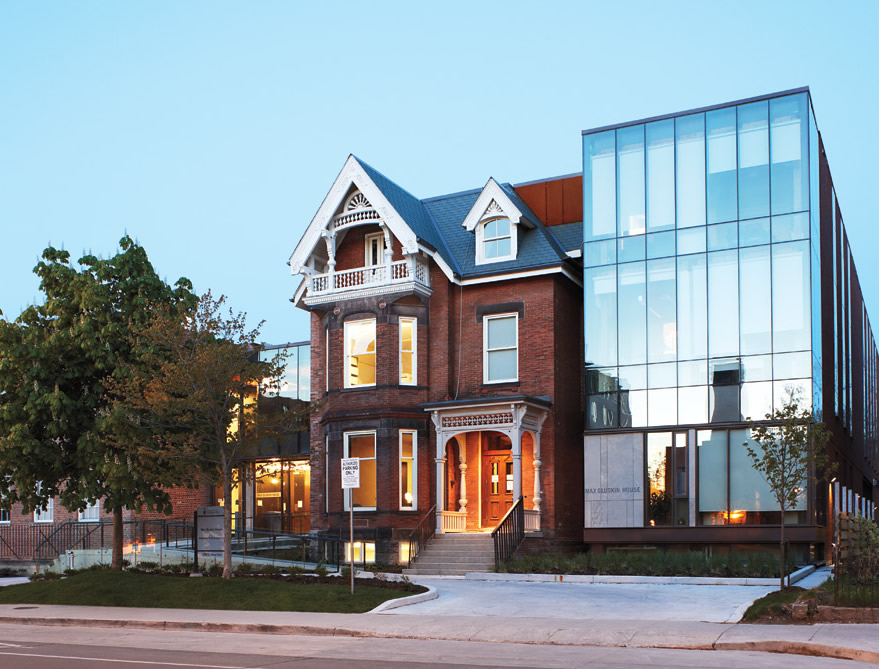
497, 241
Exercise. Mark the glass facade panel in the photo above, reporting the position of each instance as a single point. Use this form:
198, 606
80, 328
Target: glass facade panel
633, 377
791, 227
756, 306
792, 365
692, 307
600, 186
693, 373
723, 303
757, 368
600, 328
693, 405
788, 146
630, 180
754, 232
630, 248
662, 376
722, 236
661, 175
712, 461
753, 126
691, 240
756, 399
662, 406
791, 301
632, 291
661, 245
690, 170
720, 127
748, 492
661, 317
600, 253
659, 478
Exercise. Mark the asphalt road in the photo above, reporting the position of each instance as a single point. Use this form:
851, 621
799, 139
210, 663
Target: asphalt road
35, 647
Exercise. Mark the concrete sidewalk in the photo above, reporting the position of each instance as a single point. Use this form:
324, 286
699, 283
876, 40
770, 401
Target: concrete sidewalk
854, 642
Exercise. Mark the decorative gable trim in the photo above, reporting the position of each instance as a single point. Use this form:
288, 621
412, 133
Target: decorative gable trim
495, 198
323, 222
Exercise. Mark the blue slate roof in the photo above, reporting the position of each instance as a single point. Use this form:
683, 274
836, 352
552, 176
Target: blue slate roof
438, 222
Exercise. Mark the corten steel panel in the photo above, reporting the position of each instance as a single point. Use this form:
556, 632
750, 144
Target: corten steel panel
535, 197
554, 203
572, 190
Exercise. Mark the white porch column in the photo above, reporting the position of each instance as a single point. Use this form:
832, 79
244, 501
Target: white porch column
462, 483
538, 465
440, 470
388, 252
517, 464
329, 236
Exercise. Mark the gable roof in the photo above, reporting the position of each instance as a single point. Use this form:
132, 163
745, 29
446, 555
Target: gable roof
436, 224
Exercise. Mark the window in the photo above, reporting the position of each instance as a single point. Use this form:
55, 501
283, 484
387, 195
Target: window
46, 515
360, 353
500, 338
375, 246
497, 239
408, 350
362, 445
4, 515
91, 514
408, 470
364, 552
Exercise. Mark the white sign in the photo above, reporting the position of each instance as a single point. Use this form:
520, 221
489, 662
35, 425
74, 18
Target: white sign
210, 531
350, 473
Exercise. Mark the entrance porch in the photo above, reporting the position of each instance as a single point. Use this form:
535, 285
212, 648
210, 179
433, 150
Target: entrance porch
487, 457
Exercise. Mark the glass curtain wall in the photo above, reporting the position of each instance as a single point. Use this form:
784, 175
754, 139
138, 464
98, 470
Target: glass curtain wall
700, 266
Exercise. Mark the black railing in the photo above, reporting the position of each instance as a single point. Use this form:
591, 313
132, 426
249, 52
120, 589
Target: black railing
509, 533
422, 533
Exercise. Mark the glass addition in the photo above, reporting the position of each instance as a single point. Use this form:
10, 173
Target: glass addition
661, 319
723, 303
660, 245
753, 136
599, 186
756, 307
720, 128
788, 142
632, 313
754, 232
360, 353
600, 328
791, 301
630, 248
691, 240
692, 307
630, 180
661, 175
600, 253
690, 170
790, 228
722, 236
659, 478
713, 468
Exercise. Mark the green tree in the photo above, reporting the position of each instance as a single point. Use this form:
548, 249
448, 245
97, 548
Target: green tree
197, 396
56, 359
790, 452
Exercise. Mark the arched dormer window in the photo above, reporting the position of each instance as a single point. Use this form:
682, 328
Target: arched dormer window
497, 242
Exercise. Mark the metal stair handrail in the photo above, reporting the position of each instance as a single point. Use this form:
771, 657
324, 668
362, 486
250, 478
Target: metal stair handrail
422, 533
509, 533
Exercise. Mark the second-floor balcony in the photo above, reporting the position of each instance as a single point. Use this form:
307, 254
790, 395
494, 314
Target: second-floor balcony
402, 276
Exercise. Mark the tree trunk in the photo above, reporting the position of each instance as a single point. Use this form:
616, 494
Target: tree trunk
781, 552
227, 521
116, 561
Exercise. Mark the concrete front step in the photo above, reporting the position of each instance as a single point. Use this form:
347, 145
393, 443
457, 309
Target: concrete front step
446, 571
455, 555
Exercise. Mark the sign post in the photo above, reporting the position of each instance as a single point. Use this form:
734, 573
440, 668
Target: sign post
351, 480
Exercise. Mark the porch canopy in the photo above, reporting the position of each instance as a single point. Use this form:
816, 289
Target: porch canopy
512, 415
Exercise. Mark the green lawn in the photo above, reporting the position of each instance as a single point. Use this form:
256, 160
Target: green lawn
109, 588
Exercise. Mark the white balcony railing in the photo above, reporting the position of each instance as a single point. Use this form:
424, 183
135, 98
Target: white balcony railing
367, 280
453, 521
532, 520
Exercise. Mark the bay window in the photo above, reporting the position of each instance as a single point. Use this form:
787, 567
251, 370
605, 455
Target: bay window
360, 353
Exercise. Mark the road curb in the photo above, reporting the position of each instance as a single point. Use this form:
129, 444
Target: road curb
801, 648
407, 601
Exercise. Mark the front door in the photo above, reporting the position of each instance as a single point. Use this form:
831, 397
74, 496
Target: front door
497, 487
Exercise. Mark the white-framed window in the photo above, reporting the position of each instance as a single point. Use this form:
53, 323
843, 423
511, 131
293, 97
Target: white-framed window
46, 515
362, 445
500, 346
408, 470
375, 247
360, 353
364, 552
496, 240
408, 351
91, 514
4, 516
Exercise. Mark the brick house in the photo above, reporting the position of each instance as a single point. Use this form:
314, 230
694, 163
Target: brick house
446, 354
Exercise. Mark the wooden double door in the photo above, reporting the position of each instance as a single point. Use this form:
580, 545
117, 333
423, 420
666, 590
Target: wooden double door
497, 486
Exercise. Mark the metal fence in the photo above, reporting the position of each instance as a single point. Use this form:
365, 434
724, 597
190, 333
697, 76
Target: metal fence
857, 564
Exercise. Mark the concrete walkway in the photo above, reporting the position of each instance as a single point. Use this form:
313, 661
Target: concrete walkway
504, 624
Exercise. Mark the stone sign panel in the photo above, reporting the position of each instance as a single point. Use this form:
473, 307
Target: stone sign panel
614, 480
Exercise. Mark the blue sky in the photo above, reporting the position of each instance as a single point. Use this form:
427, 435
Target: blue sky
211, 131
